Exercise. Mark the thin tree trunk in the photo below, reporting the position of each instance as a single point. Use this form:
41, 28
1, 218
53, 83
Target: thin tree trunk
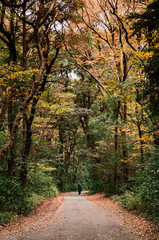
25, 45
115, 164
61, 151
73, 169
115, 173
141, 147
11, 171
27, 134
2, 114
125, 163
156, 132
156, 140
12, 156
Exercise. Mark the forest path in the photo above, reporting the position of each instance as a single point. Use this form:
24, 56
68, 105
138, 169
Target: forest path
79, 218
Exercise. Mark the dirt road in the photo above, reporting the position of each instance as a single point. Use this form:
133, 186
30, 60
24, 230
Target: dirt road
79, 218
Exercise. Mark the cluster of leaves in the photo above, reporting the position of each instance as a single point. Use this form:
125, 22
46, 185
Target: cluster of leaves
5, 217
18, 199
42, 184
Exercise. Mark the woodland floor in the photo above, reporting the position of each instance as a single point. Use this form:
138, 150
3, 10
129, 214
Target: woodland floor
72, 217
42, 216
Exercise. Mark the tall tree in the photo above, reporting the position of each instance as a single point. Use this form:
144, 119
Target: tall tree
33, 25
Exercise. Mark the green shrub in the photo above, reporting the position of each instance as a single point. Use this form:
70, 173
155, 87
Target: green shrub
96, 186
41, 183
146, 186
144, 190
18, 200
108, 188
4, 217
14, 197
130, 201
70, 187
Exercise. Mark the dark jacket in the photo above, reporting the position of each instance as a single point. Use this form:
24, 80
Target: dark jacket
79, 188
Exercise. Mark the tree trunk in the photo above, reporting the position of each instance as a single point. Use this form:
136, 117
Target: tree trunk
25, 45
125, 164
115, 164
12, 161
61, 151
115, 174
156, 132
12, 157
156, 140
27, 134
74, 169
141, 147
2, 114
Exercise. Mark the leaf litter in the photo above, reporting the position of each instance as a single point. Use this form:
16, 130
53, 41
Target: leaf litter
136, 224
44, 214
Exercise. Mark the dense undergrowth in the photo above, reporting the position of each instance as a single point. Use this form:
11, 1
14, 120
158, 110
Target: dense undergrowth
14, 199
141, 194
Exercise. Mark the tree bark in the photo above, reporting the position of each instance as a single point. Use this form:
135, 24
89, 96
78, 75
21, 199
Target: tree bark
27, 133
12, 109
125, 164
115, 164
141, 146
2, 114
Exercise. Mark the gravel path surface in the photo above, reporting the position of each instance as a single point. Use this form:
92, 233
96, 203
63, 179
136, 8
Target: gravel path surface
135, 224
79, 218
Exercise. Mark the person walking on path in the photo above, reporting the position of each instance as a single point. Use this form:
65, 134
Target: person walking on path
79, 189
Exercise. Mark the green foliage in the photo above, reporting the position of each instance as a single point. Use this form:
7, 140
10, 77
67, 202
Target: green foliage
70, 187
14, 197
148, 24
95, 182
148, 187
130, 201
144, 190
4, 217
96, 186
108, 188
2, 139
41, 183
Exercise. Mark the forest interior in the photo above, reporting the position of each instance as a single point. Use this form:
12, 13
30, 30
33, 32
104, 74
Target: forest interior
79, 102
